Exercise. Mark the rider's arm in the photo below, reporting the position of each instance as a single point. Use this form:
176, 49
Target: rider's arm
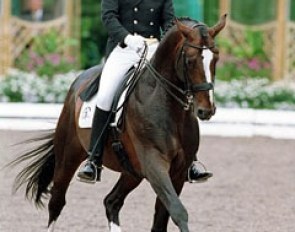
110, 19
167, 14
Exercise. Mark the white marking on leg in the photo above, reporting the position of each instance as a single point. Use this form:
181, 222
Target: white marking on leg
51, 227
114, 227
208, 56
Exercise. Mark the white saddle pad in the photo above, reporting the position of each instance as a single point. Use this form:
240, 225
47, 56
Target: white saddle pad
87, 113
88, 108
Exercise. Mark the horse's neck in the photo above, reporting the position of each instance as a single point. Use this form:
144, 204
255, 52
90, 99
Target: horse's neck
151, 108
164, 58
149, 92
164, 63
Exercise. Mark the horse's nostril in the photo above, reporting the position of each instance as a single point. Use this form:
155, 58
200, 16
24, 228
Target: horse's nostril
200, 112
204, 114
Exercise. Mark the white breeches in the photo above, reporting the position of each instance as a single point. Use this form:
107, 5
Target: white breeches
115, 68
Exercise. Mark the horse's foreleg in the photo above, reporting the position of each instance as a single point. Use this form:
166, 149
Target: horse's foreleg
158, 176
115, 199
161, 216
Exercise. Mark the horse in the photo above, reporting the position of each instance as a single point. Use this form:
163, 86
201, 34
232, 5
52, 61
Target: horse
160, 131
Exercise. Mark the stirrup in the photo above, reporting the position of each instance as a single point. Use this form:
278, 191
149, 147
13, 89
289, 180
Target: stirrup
202, 166
95, 167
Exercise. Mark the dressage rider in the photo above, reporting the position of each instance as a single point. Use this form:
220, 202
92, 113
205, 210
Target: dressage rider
129, 25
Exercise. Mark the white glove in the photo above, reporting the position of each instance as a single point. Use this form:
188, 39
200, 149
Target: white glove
135, 42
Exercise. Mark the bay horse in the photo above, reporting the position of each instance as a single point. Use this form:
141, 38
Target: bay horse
160, 133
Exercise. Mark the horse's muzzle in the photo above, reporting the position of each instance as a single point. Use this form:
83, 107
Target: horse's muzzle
205, 113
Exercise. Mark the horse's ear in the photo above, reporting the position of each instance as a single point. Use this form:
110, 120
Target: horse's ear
213, 31
184, 29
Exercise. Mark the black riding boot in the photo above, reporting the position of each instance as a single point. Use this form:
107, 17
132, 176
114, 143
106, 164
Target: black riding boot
92, 170
198, 173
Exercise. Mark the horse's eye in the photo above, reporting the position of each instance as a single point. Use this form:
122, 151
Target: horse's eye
202, 57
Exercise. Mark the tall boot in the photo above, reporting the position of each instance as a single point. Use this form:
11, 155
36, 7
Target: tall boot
91, 172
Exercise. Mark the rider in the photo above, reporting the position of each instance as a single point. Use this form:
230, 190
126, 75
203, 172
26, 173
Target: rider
129, 24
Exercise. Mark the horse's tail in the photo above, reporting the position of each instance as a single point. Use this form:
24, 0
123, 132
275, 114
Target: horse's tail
38, 173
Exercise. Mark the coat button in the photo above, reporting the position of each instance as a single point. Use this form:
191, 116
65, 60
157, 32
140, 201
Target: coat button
152, 9
135, 22
135, 9
152, 23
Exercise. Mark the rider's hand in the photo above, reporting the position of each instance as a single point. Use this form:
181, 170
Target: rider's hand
135, 42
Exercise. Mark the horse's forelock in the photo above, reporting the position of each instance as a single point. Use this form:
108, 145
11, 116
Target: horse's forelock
204, 32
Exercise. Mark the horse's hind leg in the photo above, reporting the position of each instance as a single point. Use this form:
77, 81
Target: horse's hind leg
69, 158
115, 199
161, 217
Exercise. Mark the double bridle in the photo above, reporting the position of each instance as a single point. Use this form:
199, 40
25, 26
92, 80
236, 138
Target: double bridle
190, 89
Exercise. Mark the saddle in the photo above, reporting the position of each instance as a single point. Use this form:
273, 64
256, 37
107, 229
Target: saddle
88, 96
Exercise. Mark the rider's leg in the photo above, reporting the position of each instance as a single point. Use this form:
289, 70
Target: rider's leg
92, 170
116, 66
118, 63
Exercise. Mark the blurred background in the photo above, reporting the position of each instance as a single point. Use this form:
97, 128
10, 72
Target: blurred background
256, 67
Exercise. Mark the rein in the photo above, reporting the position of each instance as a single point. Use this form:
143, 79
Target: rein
166, 83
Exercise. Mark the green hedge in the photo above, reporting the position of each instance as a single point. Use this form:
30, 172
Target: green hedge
252, 12
93, 34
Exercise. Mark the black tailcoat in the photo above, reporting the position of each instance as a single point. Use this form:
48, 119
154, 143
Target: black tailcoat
143, 17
